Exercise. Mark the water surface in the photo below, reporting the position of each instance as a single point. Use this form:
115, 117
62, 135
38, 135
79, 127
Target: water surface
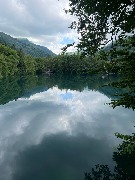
58, 127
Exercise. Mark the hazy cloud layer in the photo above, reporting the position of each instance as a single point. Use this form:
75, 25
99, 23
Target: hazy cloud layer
42, 21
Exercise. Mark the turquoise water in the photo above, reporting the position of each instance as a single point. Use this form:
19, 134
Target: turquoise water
58, 128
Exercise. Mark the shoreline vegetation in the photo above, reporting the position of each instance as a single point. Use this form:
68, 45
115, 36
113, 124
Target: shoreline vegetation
15, 62
116, 58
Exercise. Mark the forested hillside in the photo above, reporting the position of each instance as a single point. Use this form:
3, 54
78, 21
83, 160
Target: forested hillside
27, 47
15, 62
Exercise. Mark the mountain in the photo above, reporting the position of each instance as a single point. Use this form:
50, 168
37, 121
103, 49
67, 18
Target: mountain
25, 45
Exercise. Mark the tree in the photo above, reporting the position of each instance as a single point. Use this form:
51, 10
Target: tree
99, 18
124, 60
102, 21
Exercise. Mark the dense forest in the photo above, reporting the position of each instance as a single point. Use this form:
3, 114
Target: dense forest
19, 57
15, 62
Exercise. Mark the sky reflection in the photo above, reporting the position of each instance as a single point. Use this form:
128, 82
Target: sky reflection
58, 124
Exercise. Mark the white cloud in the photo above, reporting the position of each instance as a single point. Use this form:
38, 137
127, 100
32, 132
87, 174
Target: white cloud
42, 21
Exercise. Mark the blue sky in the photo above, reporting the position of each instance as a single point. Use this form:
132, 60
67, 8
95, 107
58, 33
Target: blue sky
43, 22
67, 96
67, 40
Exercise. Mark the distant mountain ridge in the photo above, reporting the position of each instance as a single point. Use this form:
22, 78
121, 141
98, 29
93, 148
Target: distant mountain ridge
27, 47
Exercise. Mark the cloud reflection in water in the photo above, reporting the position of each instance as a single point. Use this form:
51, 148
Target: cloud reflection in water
68, 131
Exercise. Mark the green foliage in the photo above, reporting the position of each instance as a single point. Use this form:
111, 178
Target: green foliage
14, 62
68, 64
123, 59
97, 19
124, 157
100, 22
9, 60
128, 145
30, 65
125, 153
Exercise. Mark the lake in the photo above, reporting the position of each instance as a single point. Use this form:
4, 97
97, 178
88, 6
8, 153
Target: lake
58, 128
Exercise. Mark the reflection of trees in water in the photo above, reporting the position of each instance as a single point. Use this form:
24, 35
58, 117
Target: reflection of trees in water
124, 157
125, 162
16, 87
